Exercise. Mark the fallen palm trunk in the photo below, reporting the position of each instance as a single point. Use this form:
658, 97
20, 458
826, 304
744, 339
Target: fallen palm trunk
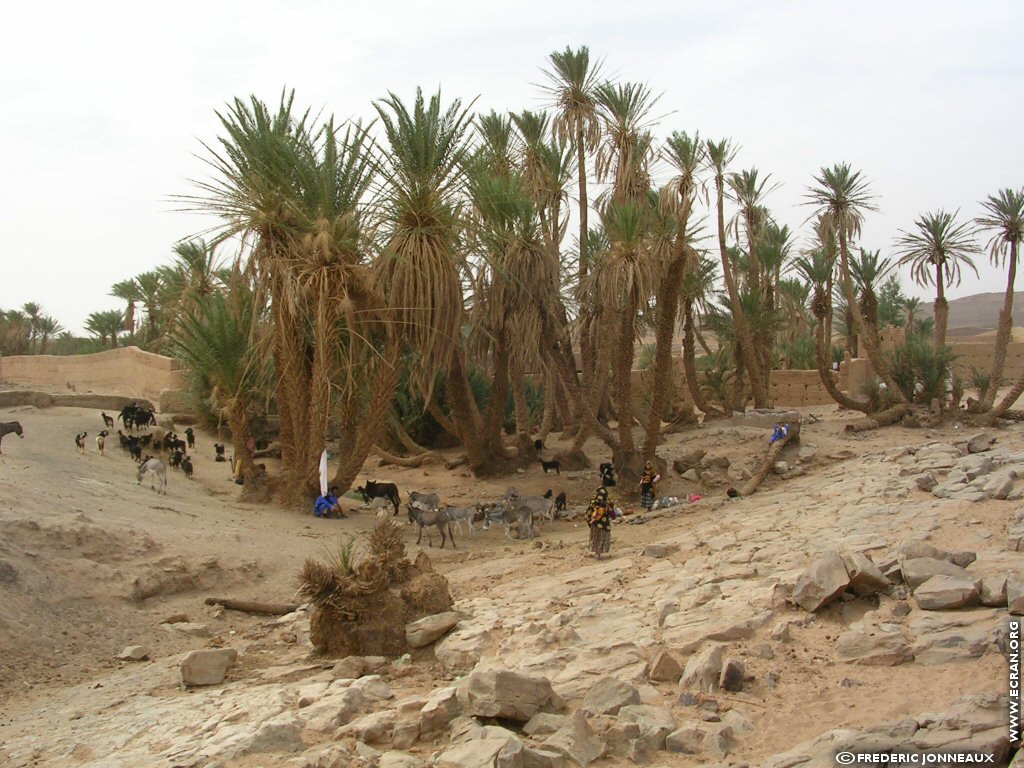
880, 419
402, 461
253, 606
456, 462
774, 451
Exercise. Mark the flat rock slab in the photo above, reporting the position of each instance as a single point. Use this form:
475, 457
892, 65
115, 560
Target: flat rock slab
656, 723
942, 593
577, 741
916, 571
873, 646
608, 695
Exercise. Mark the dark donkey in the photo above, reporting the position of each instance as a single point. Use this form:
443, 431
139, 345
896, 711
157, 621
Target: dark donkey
8, 427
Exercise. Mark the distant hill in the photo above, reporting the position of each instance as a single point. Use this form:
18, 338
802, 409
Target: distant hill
978, 313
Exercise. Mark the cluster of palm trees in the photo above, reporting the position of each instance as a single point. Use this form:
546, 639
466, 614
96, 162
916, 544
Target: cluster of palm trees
422, 264
27, 331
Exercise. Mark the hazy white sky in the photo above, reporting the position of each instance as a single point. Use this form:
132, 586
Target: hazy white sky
104, 104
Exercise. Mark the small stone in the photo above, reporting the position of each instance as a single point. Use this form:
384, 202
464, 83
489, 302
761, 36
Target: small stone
703, 670
762, 651
926, 482
502, 693
780, 467
993, 591
133, 653
902, 608
981, 442
732, 675
425, 631
544, 724
207, 666
1015, 596
608, 695
577, 741
349, 668
780, 632
664, 668
824, 580
659, 550
655, 723
691, 475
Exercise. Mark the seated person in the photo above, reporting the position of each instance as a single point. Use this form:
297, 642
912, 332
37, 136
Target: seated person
328, 505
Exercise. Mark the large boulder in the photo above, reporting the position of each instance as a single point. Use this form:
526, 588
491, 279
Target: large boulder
918, 570
577, 741
703, 670
441, 707
496, 752
608, 695
207, 667
656, 723
428, 629
824, 580
865, 577
505, 694
941, 593
700, 738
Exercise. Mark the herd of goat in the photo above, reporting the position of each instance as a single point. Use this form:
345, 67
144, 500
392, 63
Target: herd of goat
149, 449
520, 515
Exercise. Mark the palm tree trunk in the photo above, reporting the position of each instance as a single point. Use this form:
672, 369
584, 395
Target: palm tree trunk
372, 423
667, 299
743, 335
524, 443
690, 361
581, 169
1007, 402
872, 349
548, 419
824, 359
941, 309
622, 373
767, 463
494, 416
1003, 331
238, 423
442, 418
467, 416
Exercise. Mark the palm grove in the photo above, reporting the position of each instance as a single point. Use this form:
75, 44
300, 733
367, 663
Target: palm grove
416, 276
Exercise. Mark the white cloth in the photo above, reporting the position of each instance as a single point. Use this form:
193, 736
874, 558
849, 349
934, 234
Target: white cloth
323, 473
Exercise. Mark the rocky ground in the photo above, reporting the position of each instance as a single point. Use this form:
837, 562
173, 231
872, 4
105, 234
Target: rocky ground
861, 597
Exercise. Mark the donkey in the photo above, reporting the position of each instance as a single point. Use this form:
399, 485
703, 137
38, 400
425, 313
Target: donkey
11, 427
427, 518
158, 470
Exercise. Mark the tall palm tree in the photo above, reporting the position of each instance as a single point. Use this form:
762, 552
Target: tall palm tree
720, 154
426, 154
33, 312
911, 307
697, 286
48, 328
128, 291
150, 291
840, 198
686, 155
937, 251
572, 85
816, 268
1004, 217
868, 272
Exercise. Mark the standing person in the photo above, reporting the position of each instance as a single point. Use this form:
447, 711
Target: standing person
647, 483
599, 518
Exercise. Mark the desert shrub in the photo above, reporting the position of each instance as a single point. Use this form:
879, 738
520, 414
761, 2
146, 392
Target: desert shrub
920, 369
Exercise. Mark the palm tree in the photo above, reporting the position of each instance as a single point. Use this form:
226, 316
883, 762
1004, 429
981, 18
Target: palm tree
719, 155
48, 327
572, 84
911, 307
697, 285
426, 155
1004, 216
868, 271
936, 253
816, 267
213, 339
149, 284
686, 156
104, 325
129, 292
840, 197
33, 312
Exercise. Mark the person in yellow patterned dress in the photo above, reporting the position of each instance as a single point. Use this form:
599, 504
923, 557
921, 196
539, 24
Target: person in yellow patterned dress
599, 518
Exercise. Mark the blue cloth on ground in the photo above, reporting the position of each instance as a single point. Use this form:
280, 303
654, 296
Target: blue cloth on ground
324, 504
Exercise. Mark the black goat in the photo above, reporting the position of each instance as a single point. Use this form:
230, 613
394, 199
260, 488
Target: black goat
11, 428
374, 490
553, 464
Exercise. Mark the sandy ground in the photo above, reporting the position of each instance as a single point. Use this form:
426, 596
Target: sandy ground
91, 562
